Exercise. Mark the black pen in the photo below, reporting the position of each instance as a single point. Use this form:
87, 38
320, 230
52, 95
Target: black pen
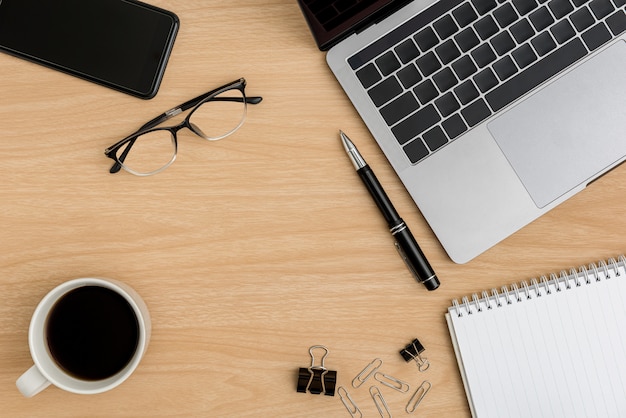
405, 243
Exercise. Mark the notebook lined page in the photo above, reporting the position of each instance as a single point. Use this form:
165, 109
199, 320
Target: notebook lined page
556, 354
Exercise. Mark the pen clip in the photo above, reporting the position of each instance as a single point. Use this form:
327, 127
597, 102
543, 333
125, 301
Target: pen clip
407, 262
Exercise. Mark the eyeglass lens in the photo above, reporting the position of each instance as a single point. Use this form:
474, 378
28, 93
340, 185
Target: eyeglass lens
219, 117
149, 152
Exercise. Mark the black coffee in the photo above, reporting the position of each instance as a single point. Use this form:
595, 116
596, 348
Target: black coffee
92, 332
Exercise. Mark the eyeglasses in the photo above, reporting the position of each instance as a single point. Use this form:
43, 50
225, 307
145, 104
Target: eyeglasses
214, 115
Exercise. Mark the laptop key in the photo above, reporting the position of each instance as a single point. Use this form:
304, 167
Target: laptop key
483, 55
409, 76
466, 92
426, 39
388, 63
428, 64
505, 15
617, 22
522, 31
426, 91
368, 75
504, 68
502, 43
484, 6
416, 150
541, 18
385, 91
486, 27
466, 39
476, 112
563, 31
536, 74
596, 36
454, 126
464, 14
543, 43
415, 124
447, 104
601, 8
399, 108
560, 8
446, 27
435, 138
582, 19
445, 79
525, 6
485, 80
524, 56
407, 51
447, 52
464, 67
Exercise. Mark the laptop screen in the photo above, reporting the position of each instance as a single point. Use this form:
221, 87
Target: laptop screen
331, 21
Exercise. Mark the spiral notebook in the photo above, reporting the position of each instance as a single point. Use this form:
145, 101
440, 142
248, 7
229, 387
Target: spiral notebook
553, 346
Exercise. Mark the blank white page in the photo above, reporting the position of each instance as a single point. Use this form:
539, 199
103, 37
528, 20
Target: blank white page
551, 347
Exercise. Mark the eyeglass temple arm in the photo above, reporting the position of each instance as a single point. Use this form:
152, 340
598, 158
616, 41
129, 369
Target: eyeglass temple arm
173, 112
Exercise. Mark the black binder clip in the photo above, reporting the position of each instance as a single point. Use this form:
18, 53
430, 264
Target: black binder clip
317, 378
413, 351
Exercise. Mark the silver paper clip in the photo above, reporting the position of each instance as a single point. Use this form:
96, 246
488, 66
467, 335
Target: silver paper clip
392, 382
417, 397
380, 403
347, 401
367, 372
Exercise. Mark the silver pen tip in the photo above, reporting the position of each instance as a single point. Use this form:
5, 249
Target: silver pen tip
353, 153
347, 144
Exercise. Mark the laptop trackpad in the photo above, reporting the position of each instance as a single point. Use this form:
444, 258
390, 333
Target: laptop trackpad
571, 130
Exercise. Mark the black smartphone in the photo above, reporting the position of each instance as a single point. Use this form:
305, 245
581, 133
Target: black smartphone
122, 44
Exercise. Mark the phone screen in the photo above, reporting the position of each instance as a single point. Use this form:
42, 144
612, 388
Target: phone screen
123, 44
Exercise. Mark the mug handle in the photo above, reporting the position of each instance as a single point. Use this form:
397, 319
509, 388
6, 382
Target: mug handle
32, 382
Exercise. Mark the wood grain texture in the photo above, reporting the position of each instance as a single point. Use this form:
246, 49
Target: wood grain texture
249, 250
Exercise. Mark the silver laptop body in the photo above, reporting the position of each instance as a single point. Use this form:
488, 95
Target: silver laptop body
518, 163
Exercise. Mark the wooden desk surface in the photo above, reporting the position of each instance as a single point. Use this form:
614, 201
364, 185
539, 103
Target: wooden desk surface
249, 250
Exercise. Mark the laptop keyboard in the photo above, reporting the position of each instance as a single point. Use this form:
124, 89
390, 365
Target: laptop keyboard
451, 67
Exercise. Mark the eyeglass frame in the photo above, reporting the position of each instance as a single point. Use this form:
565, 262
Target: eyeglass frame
192, 104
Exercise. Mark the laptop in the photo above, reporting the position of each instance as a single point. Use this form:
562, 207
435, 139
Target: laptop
491, 112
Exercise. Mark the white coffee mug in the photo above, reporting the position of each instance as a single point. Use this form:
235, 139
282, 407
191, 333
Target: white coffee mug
47, 370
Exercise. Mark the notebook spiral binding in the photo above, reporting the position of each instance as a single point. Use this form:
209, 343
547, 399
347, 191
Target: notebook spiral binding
545, 285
